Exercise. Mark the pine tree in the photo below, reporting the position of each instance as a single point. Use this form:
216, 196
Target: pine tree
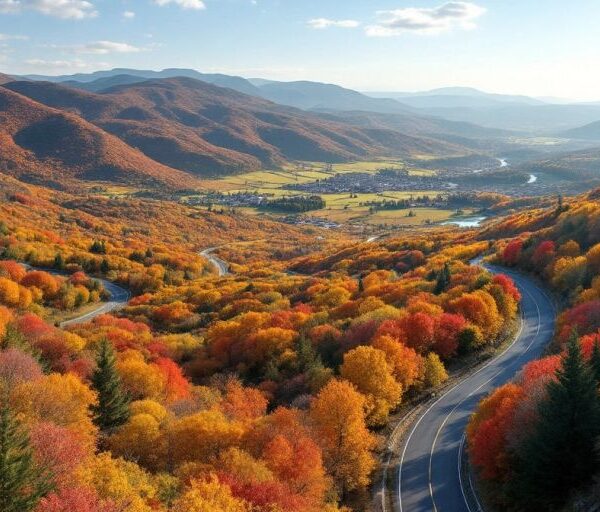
595, 362
558, 455
104, 266
59, 261
22, 483
443, 279
113, 404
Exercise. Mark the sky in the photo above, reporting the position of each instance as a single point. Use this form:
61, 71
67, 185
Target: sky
533, 47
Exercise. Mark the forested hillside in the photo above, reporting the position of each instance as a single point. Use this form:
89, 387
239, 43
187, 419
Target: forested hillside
206, 130
532, 441
207, 391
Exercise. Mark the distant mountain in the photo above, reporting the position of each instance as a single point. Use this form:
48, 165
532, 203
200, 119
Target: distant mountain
304, 95
47, 146
104, 83
207, 130
453, 97
420, 125
589, 131
579, 165
232, 82
538, 119
316, 95
4, 79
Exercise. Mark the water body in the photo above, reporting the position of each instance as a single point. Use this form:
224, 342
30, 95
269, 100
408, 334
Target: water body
466, 222
501, 161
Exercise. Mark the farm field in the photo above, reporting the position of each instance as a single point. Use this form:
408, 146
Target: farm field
360, 214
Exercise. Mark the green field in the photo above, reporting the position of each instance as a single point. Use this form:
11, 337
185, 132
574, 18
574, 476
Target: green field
342, 208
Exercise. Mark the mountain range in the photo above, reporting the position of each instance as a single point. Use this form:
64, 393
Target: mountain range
171, 127
461, 104
174, 130
48, 146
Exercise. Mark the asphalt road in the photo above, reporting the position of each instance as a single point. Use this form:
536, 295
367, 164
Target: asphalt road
119, 297
429, 472
221, 265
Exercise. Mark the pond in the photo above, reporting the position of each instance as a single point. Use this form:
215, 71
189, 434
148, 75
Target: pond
465, 222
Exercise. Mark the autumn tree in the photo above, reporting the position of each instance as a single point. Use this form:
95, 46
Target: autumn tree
22, 483
339, 417
434, 373
405, 363
112, 407
208, 495
555, 458
368, 370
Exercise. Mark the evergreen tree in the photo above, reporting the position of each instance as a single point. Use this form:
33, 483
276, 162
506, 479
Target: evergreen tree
558, 455
443, 279
22, 483
595, 362
104, 266
113, 404
59, 261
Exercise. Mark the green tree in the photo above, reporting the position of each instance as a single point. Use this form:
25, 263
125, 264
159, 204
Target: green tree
112, 409
104, 266
59, 261
22, 483
443, 279
558, 456
595, 361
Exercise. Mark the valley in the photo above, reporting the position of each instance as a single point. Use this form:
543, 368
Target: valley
255, 295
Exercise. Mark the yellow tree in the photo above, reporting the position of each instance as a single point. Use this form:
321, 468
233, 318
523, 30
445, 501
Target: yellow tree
201, 436
338, 413
367, 368
434, 373
209, 496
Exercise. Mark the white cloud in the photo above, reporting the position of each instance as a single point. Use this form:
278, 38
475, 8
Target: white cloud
11, 37
66, 9
451, 15
128, 15
321, 23
184, 4
105, 47
57, 65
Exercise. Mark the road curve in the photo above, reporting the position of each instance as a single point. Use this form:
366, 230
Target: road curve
221, 265
429, 470
119, 297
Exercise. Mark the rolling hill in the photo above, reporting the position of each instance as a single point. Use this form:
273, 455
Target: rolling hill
85, 80
4, 79
452, 97
316, 95
573, 166
429, 126
207, 130
44, 145
589, 131
543, 119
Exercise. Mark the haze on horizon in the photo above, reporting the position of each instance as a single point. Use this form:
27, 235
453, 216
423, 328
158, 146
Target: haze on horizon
537, 48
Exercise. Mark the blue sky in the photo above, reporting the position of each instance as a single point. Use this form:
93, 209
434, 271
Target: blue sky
536, 47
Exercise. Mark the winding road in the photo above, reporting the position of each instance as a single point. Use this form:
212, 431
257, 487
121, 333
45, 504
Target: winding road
221, 265
119, 297
429, 472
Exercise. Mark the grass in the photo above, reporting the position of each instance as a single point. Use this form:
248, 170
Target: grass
361, 214
341, 208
